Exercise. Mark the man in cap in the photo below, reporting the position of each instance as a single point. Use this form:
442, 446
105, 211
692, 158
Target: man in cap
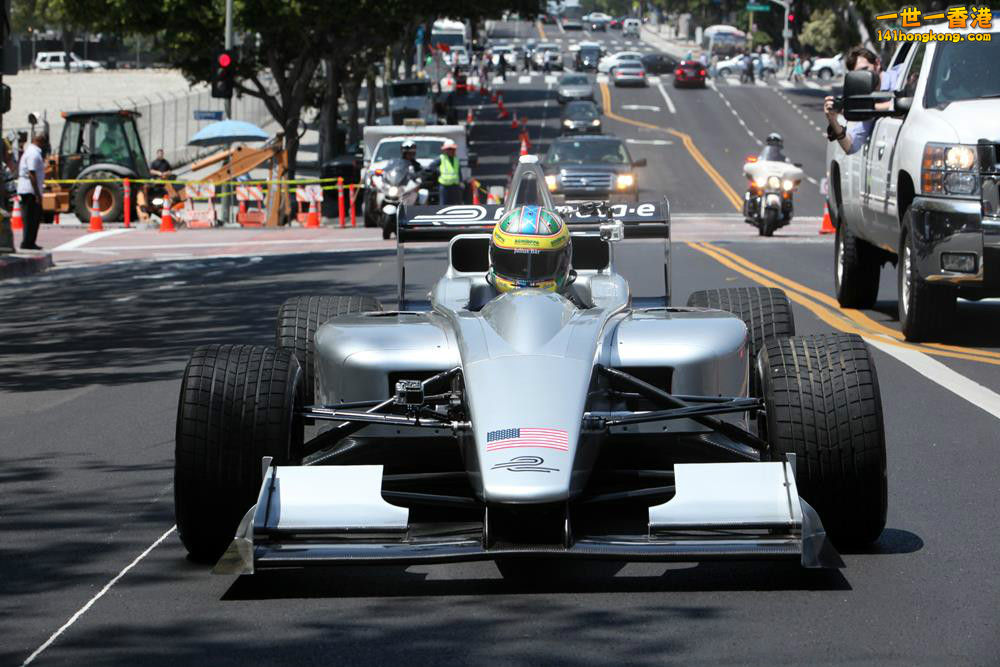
449, 171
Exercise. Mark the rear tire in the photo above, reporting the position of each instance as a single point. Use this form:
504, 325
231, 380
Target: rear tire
823, 404
298, 320
856, 269
83, 197
924, 309
238, 404
765, 310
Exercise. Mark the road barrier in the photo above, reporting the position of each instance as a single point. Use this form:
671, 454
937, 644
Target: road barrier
127, 212
827, 226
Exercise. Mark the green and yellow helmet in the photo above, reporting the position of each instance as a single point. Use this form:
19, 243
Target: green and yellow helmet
530, 248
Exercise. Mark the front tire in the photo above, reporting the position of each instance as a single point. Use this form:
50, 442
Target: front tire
238, 404
298, 320
823, 404
769, 222
856, 269
924, 309
111, 203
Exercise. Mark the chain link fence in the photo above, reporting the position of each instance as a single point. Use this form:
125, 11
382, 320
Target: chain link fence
167, 120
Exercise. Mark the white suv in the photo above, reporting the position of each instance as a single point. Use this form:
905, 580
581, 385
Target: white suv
922, 193
55, 60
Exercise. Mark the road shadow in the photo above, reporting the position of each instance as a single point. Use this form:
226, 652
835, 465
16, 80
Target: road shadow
893, 541
974, 323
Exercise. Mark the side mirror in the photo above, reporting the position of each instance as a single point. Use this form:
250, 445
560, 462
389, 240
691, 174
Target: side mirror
797, 164
859, 104
902, 105
641, 162
473, 159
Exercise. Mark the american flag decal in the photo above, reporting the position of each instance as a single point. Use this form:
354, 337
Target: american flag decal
506, 438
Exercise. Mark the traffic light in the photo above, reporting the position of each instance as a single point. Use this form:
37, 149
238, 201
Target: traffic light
224, 75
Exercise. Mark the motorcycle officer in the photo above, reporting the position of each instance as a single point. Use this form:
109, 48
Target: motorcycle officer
408, 152
774, 149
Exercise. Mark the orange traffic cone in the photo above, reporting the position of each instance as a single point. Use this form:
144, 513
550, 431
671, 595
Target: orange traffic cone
16, 221
312, 218
493, 96
468, 117
55, 220
827, 227
525, 138
514, 122
96, 222
524, 145
167, 219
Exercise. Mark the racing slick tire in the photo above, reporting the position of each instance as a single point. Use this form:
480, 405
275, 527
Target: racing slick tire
298, 320
111, 202
856, 269
924, 309
238, 404
765, 310
822, 403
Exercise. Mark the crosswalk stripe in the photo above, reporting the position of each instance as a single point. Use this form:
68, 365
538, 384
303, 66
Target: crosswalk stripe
550, 78
785, 84
653, 79
602, 78
814, 85
524, 78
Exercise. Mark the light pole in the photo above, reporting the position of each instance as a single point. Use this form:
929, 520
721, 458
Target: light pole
228, 105
786, 33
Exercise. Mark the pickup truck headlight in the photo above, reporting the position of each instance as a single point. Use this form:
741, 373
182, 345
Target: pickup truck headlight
949, 169
624, 181
550, 181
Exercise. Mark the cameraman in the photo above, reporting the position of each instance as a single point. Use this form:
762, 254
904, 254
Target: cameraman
853, 137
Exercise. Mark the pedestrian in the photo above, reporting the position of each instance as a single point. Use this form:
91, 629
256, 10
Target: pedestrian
449, 171
856, 135
160, 167
30, 185
798, 71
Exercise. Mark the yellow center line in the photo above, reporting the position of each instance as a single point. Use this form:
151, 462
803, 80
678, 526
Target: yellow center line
857, 316
835, 319
727, 190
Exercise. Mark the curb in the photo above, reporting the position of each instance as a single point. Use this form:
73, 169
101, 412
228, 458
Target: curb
17, 266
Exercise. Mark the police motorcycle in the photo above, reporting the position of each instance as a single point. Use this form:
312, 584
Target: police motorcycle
767, 203
395, 184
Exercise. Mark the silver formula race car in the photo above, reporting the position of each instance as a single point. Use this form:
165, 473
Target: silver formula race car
531, 425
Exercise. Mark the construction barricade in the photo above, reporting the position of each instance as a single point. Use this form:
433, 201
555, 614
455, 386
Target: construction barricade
251, 201
199, 205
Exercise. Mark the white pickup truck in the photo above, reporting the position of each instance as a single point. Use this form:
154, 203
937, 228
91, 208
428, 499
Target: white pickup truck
922, 191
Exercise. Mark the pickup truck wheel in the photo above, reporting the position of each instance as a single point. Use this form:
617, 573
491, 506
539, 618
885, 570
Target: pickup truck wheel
924, 309
298, 320
765, 310
238, 404
823, 404
856, 270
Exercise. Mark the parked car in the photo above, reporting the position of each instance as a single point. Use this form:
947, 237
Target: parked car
56, 60
574, 87
827, 68
629, 73
690, 74
659, 63
581, 117
923, 194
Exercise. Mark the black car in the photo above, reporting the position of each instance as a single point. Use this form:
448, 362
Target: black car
599, 24
591, 167
659, 63
581, 117
587, 58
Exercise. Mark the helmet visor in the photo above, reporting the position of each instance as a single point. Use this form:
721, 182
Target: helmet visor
530, 265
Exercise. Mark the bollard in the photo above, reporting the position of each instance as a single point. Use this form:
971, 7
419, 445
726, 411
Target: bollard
475, 192
340, 199
354, 208
128, 204
55, 220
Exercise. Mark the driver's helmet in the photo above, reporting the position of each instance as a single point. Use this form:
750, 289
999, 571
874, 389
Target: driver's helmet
408, 149
530, 247
774, 139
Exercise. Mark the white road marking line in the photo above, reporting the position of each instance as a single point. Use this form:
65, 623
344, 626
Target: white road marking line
711, 84
785, 84
90, 603
640, 107
932, 369
653, 79
814, 85
234, 244
90, 238
550, 79
650, 142
602, 78
524, 79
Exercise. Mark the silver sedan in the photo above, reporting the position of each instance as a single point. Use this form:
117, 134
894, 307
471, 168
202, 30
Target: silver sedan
629, 74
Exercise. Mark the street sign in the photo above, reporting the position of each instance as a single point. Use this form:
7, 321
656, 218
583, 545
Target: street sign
787, 33
207, 115
754, 7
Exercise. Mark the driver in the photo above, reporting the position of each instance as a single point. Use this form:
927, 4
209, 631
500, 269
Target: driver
774, 150
530, 248
408, 151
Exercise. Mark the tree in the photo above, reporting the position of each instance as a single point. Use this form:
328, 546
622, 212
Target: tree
826, 32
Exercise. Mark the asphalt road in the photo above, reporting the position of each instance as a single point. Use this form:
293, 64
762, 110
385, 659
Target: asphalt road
89, 377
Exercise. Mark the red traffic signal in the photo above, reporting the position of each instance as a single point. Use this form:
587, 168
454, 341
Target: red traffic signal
224, 75
791, 17
225, 60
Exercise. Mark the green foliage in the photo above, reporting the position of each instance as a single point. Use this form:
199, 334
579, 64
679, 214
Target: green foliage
761, 38
826, 32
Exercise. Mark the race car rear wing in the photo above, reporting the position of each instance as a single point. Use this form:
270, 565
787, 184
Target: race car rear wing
640, 220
